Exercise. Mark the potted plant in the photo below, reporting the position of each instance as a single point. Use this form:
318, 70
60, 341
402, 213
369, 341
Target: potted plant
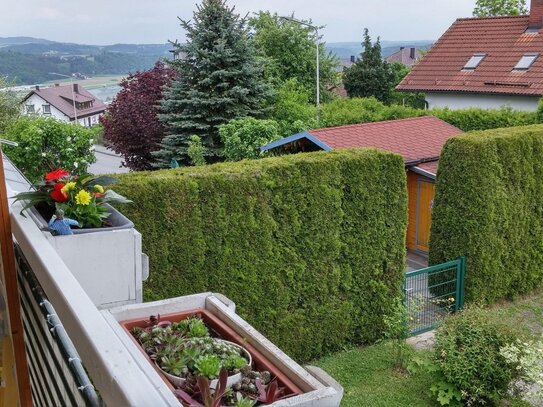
84, 199
185, 349
102, 248
203, 367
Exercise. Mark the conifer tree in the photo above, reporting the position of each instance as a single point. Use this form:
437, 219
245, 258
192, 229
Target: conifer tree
220, 79
370, 75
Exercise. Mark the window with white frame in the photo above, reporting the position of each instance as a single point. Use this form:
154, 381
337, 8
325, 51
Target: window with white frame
525, 62
474, 61
46, 109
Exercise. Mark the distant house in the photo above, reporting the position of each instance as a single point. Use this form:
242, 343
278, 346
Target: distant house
484, 62
405, 56
418, 140
67, 103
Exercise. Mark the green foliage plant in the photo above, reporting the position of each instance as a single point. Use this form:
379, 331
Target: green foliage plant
243, 137
311, 247
289, 50
488, 208
196, 151
370, 75
469, 354
46, 144
9, 104
494, 8
220, 79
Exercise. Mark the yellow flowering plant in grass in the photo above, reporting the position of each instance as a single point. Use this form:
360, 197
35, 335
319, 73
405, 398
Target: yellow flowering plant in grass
82, 198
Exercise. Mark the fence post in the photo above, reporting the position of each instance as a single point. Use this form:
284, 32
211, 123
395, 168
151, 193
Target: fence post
462, 281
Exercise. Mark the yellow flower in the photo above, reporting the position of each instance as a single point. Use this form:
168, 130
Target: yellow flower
99, 189
68, 187
83, 198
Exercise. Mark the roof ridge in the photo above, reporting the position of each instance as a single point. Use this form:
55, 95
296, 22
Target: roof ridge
368, 124
492, 18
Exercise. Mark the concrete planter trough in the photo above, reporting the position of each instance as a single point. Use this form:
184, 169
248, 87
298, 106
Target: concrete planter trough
107, 262
309, 386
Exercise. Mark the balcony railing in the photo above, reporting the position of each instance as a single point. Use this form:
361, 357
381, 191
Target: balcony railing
75, 358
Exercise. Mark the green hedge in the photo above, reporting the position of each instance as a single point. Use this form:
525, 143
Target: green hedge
311, 247
489, 207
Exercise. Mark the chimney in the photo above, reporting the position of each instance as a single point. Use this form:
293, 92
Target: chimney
76, 88
57, 85
413, 53
536, 16
402, 48
353, 59
37, 87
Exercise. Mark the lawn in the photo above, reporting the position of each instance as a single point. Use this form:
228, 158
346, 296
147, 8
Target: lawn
369, 380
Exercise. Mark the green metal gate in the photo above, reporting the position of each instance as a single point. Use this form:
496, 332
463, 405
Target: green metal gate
433, 293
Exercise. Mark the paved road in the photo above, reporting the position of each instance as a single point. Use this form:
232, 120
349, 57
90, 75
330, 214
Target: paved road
107, 162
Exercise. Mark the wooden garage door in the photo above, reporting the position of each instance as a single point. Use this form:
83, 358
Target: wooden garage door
425, 202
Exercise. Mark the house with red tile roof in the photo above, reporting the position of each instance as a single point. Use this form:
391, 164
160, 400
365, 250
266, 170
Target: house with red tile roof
68, 103
484, 62
418, 140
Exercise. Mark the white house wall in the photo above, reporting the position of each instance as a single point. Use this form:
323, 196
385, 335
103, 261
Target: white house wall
38, 102
465, 100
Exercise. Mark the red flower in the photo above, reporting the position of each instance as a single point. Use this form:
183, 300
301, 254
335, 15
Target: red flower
56, 175
98, 195
57, 193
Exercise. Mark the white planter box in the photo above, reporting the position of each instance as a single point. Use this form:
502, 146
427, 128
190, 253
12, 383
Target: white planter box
108, 262
319, 389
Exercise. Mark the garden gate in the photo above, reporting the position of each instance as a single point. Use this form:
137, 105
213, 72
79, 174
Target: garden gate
433, 293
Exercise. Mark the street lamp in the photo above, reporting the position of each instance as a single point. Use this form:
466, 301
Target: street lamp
318, 62
73, 93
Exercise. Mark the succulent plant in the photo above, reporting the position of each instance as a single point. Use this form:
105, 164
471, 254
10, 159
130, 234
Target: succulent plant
208, 366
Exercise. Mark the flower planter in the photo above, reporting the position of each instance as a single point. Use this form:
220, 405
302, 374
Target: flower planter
117, 219
315, 389
107, 262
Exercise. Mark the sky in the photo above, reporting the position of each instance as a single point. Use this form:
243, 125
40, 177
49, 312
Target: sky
103, 22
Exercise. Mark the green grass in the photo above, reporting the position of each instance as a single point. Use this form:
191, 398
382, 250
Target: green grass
369, 380
524, 312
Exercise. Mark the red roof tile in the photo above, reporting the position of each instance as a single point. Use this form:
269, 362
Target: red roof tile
418, 138
504, 41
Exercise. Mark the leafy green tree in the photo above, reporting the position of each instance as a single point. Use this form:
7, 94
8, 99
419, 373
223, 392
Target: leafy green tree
492, 8
370, 75
290, 52
243, 137
9, 105
221, 78
46, 144
291, 109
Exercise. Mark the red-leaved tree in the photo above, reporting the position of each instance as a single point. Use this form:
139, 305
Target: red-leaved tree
131, 125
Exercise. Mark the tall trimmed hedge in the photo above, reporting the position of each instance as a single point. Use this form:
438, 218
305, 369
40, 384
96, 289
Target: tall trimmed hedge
311, 247
489, 208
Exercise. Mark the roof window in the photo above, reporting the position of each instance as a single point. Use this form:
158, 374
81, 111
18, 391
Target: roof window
474, 61
525, 62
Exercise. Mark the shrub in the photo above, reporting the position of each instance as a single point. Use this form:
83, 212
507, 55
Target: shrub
488, 208
196, 151
311, 247
476, 118
468, 354
243, 137
46, 144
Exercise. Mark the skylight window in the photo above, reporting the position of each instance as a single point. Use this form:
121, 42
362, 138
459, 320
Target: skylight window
526, 62
474, 61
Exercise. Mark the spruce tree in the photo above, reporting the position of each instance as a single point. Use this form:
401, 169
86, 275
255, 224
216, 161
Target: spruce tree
370, 75
220, 79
